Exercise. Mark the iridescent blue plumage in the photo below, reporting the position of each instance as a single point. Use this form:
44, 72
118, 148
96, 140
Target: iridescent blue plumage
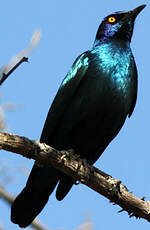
117, 62
90, 108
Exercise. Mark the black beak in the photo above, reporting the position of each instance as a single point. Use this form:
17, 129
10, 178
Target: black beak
132, 13
136, 11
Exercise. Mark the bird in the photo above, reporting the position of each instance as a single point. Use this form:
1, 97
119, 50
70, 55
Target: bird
94, 99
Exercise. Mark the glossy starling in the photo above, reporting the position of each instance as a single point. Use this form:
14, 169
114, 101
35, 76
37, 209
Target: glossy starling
90, 107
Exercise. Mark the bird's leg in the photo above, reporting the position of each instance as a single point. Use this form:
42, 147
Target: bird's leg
67, 153
83, 165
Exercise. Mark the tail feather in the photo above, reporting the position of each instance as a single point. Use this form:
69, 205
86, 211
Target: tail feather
64, 186
34, 196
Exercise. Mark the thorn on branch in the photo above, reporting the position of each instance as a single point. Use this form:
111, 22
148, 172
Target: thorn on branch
121, 211
143, 198
132, 215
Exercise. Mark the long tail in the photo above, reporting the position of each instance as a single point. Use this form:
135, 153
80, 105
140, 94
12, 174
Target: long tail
34, 196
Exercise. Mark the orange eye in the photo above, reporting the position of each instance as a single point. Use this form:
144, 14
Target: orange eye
111, 19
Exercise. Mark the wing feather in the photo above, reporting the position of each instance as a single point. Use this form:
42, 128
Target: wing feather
63, 97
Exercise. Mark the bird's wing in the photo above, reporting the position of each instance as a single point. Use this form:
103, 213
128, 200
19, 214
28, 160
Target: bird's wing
134, 96
63, 97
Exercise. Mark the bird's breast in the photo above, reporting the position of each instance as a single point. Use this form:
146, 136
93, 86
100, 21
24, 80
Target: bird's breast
116, 65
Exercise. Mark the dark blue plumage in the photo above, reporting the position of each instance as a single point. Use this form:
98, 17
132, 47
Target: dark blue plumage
90, 108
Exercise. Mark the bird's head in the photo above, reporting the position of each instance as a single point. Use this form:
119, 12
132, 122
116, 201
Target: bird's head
118, 25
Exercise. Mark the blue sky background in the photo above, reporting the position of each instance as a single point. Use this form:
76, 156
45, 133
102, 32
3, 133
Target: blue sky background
68, 29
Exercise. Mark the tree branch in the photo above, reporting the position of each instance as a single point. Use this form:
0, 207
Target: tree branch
5, 76
10, 199
20, 57
79, 170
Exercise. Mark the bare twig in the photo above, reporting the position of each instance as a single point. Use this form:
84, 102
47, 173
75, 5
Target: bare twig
70, 164
21, 57
5, 76
10, 199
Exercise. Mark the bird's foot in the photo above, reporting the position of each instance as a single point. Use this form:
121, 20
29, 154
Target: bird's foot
83, 169
66, 154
